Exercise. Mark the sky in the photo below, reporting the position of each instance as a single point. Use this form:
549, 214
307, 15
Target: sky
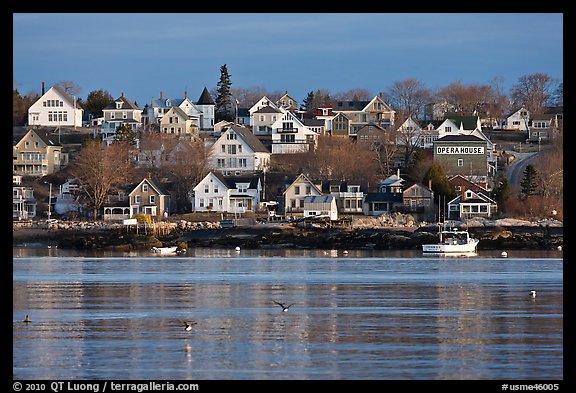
141, 54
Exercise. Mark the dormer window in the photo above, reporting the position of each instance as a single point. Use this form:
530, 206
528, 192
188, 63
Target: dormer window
118, 104
168, 103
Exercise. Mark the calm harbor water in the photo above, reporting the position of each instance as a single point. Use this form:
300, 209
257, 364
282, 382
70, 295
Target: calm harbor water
378, 315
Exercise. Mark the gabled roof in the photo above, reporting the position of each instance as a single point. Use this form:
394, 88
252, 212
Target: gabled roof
377, 98
302, 177
231, 181
159, 190
460, 138
62, 93
467, 122
43, 136
126, 104
179, 112
268, 109
205, 98
252, 140
476, 197
350, 105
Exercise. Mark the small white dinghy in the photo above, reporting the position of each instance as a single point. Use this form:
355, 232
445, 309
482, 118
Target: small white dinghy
164, 250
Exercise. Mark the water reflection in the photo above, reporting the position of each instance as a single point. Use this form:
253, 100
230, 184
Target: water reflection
353, 318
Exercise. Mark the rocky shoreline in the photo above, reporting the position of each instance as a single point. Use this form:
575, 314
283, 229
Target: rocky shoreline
537, 237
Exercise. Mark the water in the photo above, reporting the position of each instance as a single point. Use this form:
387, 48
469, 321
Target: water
376, 315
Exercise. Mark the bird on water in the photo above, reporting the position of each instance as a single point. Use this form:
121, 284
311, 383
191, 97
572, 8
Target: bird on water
188, 325
533, 294
284, 308
27, 319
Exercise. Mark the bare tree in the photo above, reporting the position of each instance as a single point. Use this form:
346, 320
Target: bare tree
466, 98
70, 88
408, 97
534, 91
99, 168
186, 164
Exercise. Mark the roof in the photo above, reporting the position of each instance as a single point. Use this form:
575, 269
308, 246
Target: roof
383, 197
252, 140
350, 105
126, 104
232, 181
319, 199
205, 98
63, 94
267, 109
460, 138
313, 122
468, 122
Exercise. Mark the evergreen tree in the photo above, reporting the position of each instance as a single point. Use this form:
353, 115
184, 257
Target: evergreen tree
502, 192
529, 183
308, 103
125, 134
96, 101
440, 184
224, 105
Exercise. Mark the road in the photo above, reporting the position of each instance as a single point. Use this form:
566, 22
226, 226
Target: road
516, 168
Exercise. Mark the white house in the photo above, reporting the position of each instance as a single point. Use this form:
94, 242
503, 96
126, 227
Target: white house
23, 201
471, 204
290, 135
320, 205
227, 194
517, 120
55, 108
200, 112
238, 151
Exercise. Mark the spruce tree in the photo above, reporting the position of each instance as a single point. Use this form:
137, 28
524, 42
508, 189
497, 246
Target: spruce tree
223, 109
308, 103
529, 183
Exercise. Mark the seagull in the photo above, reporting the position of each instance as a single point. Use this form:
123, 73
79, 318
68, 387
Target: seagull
284, 308
533, 294
26, 320
188, 325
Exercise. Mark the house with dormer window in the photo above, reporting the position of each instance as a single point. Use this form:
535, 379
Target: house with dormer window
261, 103
263, 118
227, 194
471, 204
238, 151
287, 102
201, 112
55, 108
518, 120
122, 112
290, 135
38, 153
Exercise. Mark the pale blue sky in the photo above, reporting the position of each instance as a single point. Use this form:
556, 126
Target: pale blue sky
142, 54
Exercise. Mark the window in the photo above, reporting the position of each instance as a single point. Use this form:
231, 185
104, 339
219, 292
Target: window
239, 148
144, 187
231, 149
124, 115
297, 190
152, 198
261, 117
308, 190
460, 162
137, 198
201, 202
301, 203
221, 163
223, 149
216, 189
447, 129
243, 163
112, 115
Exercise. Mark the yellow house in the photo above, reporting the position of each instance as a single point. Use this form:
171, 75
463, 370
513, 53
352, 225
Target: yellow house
37, 154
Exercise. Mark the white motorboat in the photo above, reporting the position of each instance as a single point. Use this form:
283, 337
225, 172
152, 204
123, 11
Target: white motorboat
164, 250
452, 242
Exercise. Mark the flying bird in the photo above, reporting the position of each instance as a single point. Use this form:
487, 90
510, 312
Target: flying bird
284, 308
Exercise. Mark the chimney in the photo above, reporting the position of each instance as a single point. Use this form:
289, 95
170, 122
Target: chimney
185, 94
160, 94
380, 94
430, 184
398, 173
463, 195
42, 88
